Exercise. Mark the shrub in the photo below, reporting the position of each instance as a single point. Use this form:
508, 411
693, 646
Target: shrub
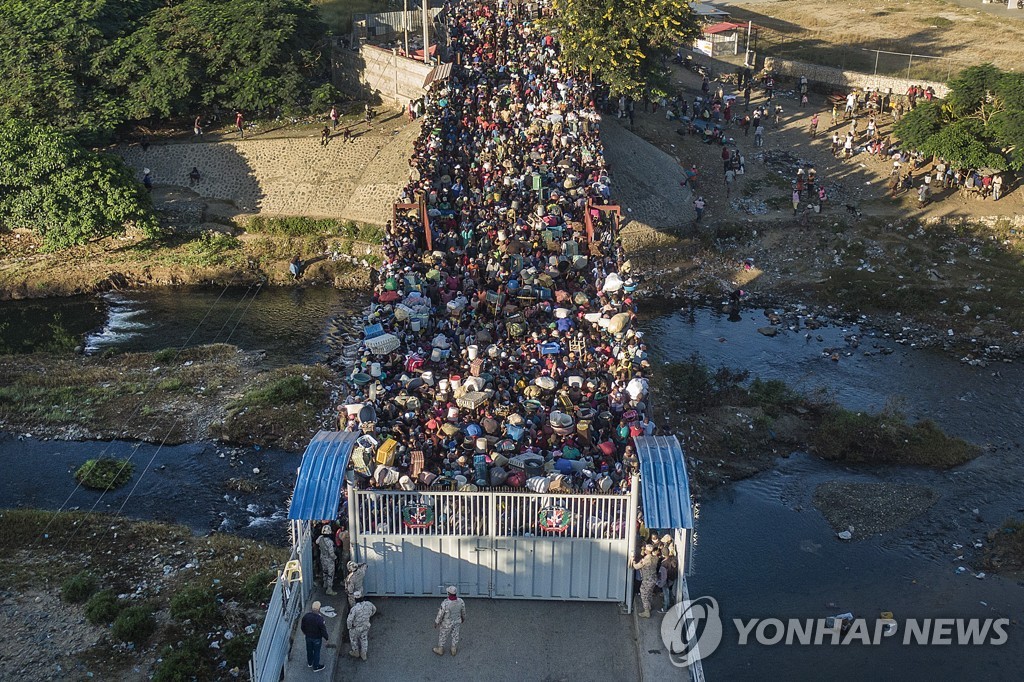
103, 608
772, 395
78, 587
259, 587
183, 663
171, 384
239, 650
134, 624
196, 604
105, 473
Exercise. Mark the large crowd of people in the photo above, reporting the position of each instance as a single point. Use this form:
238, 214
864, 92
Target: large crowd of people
500, 347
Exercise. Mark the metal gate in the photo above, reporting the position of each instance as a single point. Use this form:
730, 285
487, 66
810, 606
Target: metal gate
508, 545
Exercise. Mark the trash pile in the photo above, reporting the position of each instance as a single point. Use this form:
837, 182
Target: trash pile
499, 349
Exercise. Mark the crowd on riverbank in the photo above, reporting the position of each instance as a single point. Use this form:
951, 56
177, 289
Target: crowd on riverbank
503, 354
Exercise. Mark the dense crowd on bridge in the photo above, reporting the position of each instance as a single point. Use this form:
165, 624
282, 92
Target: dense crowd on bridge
500, 347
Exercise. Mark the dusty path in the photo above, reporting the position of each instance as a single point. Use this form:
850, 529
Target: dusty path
288, 175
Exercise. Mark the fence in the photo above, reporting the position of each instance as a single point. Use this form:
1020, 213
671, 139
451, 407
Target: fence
291, 592
501, 544
816, 48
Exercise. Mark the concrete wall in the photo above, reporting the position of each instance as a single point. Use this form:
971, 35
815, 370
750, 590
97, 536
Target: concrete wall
828, 75
374, 70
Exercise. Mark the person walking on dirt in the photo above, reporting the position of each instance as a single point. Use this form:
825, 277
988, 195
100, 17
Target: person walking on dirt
698, 208
325, 136
691, 178
997, 187
796, 200
835, 113
193, 177
368, 114
730, 177
334, 117
759, 136
240, 124
814, 126
197, 127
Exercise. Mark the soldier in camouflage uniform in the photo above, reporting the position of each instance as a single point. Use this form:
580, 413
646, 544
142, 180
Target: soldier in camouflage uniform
648, 567
354, 581
328, 557
359, 625
449, 621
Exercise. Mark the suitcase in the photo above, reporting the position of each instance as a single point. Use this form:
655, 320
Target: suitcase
386, 452
415, 463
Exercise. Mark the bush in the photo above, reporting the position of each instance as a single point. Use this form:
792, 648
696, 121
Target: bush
239, 650
196, 604
103, 608
183, 663
134, 624
105, 473
772, 395
78, 588
259, 587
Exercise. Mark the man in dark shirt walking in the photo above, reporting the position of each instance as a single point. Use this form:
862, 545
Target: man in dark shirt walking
314, 627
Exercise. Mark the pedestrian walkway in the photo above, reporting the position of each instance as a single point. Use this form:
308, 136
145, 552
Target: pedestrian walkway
295, 668
502, 641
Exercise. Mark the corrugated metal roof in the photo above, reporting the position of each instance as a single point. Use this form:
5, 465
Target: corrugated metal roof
441, 72
723, 27
664, 485
321, 475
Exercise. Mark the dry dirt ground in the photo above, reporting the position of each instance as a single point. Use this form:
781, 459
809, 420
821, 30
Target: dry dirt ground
957, 263
965, 31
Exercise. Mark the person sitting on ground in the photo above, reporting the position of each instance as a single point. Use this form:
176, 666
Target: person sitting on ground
295, 268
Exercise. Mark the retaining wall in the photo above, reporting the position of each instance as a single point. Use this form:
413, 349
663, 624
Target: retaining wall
839, 78
375, 70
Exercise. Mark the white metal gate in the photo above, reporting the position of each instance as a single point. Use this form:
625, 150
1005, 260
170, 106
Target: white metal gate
509, 545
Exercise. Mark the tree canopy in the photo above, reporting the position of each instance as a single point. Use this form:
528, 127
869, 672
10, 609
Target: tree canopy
979, 124
622, 42
90, 65
65, 193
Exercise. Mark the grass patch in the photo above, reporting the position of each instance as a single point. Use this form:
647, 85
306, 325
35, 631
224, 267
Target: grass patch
78, 588
103, 608
183, 663
281, 408
1005, 551
97, 394
105, 473
887, 438
135, 624
259, 587
299, 226
937, 22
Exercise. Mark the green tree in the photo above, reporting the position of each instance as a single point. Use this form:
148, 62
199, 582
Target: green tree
249, 54
65, 193
980, 124
622, 42
919, 124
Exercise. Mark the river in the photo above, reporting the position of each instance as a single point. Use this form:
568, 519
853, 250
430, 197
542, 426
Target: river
762, 549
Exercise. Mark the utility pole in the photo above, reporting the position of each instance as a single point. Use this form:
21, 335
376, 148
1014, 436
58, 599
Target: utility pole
426, 32
746, 57
405, 25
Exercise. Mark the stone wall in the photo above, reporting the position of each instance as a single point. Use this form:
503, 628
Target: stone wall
374, 70
840, 79
288, 175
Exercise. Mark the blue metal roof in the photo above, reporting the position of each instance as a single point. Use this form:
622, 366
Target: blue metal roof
664, 485
321, 475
